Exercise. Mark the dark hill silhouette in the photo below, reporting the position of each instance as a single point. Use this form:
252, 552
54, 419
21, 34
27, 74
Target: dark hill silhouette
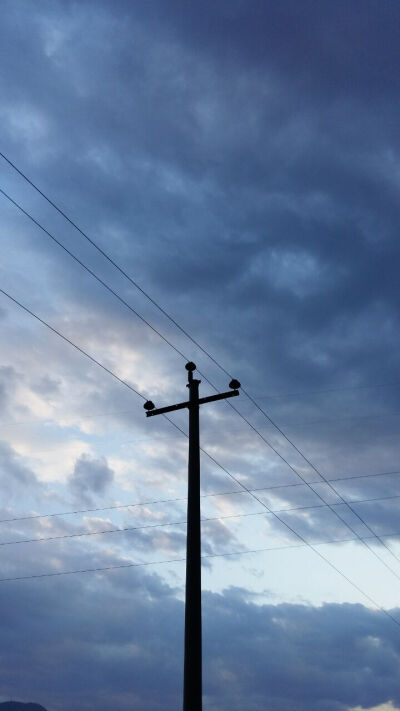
19, 706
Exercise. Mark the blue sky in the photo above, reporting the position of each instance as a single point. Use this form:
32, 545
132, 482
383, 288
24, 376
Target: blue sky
240, 162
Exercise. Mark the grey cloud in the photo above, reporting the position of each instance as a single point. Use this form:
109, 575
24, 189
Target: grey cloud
259, 223
15, 476
241, 163
171, 543
46, 386
284, 656
8, 380
90, 477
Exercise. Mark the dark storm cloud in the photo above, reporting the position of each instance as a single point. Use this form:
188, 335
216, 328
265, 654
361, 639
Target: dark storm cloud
354, 44
274, 201
241, 161
284, 656
288, 232
261, 191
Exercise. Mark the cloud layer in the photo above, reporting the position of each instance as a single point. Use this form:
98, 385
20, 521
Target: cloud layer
240, 162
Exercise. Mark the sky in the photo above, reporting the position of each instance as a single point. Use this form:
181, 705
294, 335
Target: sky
239, 161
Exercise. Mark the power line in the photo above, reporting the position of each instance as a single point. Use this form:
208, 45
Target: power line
282, 396
152, 300
218, 493
111, 260
122, 566
213, 518
204, 496
347, 418
113, 413
107, 370
320, 555
110, 372
131, 309
264, 439
103, 283
91, 272
71, 343
121, 299
93, 510
290, 528
334, 489
81, 416
123, 530
330, 506
194, 341
147, 438
180, 328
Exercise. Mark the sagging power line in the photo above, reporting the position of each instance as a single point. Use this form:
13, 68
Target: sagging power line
237, 481
125, 529
255, 403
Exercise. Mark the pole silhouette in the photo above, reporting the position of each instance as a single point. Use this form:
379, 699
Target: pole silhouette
192, 677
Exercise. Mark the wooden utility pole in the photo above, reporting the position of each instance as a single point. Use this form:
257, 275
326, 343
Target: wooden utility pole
192, 680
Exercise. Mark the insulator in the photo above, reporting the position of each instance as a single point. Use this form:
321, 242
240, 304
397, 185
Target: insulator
149, 405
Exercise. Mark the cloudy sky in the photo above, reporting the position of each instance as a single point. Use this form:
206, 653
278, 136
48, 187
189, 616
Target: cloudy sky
239, 163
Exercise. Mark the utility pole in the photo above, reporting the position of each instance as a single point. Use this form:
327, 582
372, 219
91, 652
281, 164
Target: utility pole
192, 678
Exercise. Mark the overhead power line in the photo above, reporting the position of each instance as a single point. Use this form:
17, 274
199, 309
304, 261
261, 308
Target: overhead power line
265, 414
136, 313
245, 419
124, 529
333, 488
111, 261
318, 553
330, 506
283, 396
203, 496
165, 313
154, 301
325, 480
91, 272
220, 366
107, 568
71, 343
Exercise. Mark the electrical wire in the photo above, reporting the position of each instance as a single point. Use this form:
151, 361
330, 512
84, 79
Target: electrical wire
113, 413
71, 343
299, 536
101, 569
91, 272
110, 260
347, 418
266, 415
334, 489
218, 493
283, 396
123, 530
158, 306
213, 518
183, 499
324, 479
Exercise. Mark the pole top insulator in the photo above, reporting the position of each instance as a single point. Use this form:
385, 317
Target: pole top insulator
234, 384
149, 405
190, 366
